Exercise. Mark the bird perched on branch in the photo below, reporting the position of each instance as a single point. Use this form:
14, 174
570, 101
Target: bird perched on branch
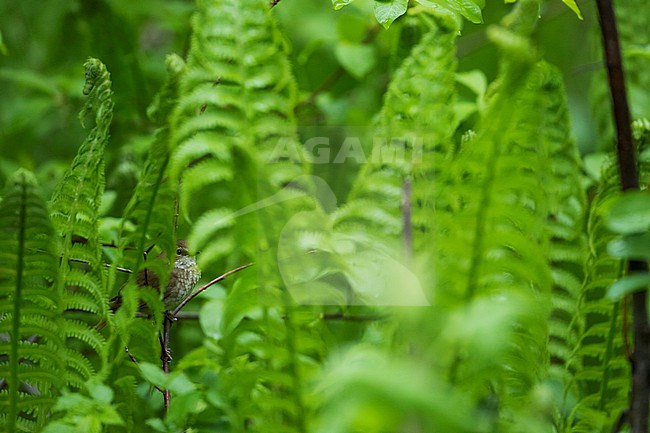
182, 279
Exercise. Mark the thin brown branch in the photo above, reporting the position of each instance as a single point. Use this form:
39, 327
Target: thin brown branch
353, 317
165, 356
206, 286
640, 393
187, 315
119, 268
346, 317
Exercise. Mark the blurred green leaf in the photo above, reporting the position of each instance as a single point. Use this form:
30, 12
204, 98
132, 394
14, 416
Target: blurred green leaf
631, 247
338, 4
574, 7
469, 9
211, 317
153, 374
357, 59
179, 384
630, 213
388, 11
157, 424
366, 390
627, 285
30, 80
100, 392
594, 163
474, 80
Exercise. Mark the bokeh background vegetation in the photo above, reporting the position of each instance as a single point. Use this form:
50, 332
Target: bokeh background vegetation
342, 62
41, 73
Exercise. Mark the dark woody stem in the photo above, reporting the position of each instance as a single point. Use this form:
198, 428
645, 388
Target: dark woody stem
629, 176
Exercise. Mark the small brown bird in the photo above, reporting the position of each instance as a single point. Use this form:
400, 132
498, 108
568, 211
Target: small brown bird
183, 278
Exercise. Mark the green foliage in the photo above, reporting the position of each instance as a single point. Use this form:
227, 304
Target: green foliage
148, 220
565, 225
88, 413
75, 211
460, 276
600, 360
387, 11
235, 151
602, 369
33, 368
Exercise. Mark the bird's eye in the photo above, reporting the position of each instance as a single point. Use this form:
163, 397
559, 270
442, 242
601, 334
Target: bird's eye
179, 251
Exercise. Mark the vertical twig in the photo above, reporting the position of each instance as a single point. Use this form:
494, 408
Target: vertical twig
165, 357
639, 396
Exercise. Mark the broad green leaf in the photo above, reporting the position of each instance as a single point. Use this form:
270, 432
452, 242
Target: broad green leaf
594, 163
358, 60
634, 247
573, 6
339, 4
380, 280
181, 408
474, 80
389, 11
628, 284
153, 374
211, 318
100, 392
630, 213
469, 9
157, 424
179, 384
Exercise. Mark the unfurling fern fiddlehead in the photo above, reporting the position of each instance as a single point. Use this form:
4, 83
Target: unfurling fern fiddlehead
75, 210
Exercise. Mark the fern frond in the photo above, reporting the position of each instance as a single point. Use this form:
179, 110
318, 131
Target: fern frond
34, 347
413, 133
75, 208
602, 376
235, 110
602, 370
353, 255
235, 150
567, 252
490, 240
